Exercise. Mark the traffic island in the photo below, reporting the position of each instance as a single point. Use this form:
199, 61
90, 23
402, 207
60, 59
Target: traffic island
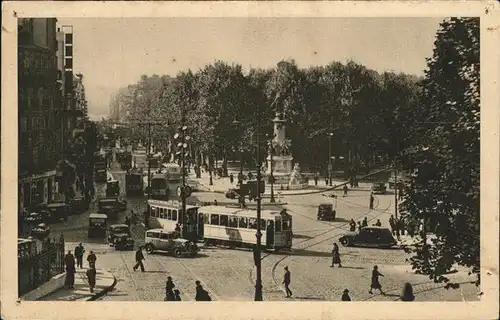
105, 282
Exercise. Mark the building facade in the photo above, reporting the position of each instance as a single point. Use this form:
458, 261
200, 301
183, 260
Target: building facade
39, 106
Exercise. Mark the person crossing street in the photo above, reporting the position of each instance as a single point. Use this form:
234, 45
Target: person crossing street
286, 281
138, 259
336, 256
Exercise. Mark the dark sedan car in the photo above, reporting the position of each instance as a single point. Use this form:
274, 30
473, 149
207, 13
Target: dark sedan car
377, 237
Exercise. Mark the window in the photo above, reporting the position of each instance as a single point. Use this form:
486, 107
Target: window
263, 224
214, 219
286, 225
233, 222
223, 220
154, 211
152, 234
252, 223
270, 223
169, 214
68, 38
68, 64
174, 215
205, 218
162, 213
243, 222
164, 236
69, 51
278, 225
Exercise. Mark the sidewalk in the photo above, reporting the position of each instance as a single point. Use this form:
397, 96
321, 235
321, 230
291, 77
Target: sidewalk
105, 282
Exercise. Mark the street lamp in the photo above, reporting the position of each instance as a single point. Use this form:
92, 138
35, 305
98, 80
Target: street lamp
330, 167
271, 151
258, 235
182, 145
241, 199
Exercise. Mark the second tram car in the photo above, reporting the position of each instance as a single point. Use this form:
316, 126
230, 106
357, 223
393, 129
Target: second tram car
166, 214
236, 227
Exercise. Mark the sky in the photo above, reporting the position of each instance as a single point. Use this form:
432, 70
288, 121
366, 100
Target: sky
113, 53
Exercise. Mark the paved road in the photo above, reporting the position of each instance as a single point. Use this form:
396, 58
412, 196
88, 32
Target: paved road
229, 274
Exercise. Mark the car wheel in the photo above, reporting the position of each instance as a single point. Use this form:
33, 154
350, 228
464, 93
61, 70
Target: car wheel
177, 253
346, 242
149, 248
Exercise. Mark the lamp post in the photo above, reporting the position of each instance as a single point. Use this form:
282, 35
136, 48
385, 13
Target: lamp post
271, 151
258, 235
183, 146
330, 167
241, 199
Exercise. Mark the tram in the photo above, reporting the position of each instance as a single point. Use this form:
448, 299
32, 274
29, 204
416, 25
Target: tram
159, 186
167, 214
236, 227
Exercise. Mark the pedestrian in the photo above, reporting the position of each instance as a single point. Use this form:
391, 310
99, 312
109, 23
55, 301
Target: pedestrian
378, 223
215, 202
401, 226
351, 182
359, 226
392, 223
177, 295
316, 177
345, 190
91, 277
287, 278
345, 295
365, 222
201, 294
336, 256
169, 287
79, 251
69, 261
400, 191
372, 199
407, 294
231, 178
352, 225
138, 259
375, 283
91, 258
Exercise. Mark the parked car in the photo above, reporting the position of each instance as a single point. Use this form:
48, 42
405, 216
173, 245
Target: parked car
41, 231
378, 237
57, 211
379, 188
326, 212
97, 225
161, 240
111, 206
119, 236
78, 205
34, 218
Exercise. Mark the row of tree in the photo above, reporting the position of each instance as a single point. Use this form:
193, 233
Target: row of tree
429, 126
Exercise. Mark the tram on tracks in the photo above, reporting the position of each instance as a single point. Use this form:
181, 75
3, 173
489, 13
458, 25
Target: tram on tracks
226, 226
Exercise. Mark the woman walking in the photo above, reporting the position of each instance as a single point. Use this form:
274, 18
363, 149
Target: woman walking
336, 256
375, 283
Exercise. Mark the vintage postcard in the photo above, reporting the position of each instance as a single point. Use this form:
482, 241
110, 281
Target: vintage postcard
181, 160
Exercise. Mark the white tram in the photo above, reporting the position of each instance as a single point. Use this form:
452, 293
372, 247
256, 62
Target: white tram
236, 227
166, 214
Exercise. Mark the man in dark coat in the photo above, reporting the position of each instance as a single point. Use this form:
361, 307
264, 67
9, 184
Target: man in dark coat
372, 199
91, 277
345, 296
69, 261
375, 283
169, 287
364, 223
336, 256
201, 294
79, 251
352, 225
91, 258
286, 281
138, 259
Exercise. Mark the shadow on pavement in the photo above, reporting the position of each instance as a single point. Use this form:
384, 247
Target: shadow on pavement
301, 236
349, 267
155, 271
310, 298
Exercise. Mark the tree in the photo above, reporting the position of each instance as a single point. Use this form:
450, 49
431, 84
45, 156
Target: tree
446, 152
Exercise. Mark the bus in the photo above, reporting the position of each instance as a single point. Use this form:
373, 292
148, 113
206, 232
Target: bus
174, 179
159, 186
236, 227
167, 214
100, 170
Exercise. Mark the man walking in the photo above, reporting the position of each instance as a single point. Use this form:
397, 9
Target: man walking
372, 199
138, 259
364, 223
286, 281
91, 258
91, 277
69, 261
79, 251
392, 223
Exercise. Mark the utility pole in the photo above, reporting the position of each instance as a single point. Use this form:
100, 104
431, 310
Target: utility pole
241, 198
183, 145
396, 185
330, 166
258, 235
271, 149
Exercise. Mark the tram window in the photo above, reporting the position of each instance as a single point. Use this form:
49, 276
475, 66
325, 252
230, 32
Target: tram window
233, 222
270, 223
262, 223
252, 223
154, 212
162, 213
205, 218
243, 223
164, 236
286, 225
214, 219
174, 215
278, 225
169, 214
223, 220
152, 234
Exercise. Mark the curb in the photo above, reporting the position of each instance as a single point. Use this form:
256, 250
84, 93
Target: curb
103, 292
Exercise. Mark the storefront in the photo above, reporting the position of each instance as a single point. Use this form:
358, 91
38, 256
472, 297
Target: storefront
37, 190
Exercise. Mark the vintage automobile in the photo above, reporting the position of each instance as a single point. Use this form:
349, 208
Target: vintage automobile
97, 225
119, 236
34, 218
111, 206
112, 188
41, 231
326, 212
377, 237
379, 188
169, 241
78, 205
57, 211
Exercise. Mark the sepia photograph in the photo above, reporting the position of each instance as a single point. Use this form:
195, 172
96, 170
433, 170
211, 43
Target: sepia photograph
245, 158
